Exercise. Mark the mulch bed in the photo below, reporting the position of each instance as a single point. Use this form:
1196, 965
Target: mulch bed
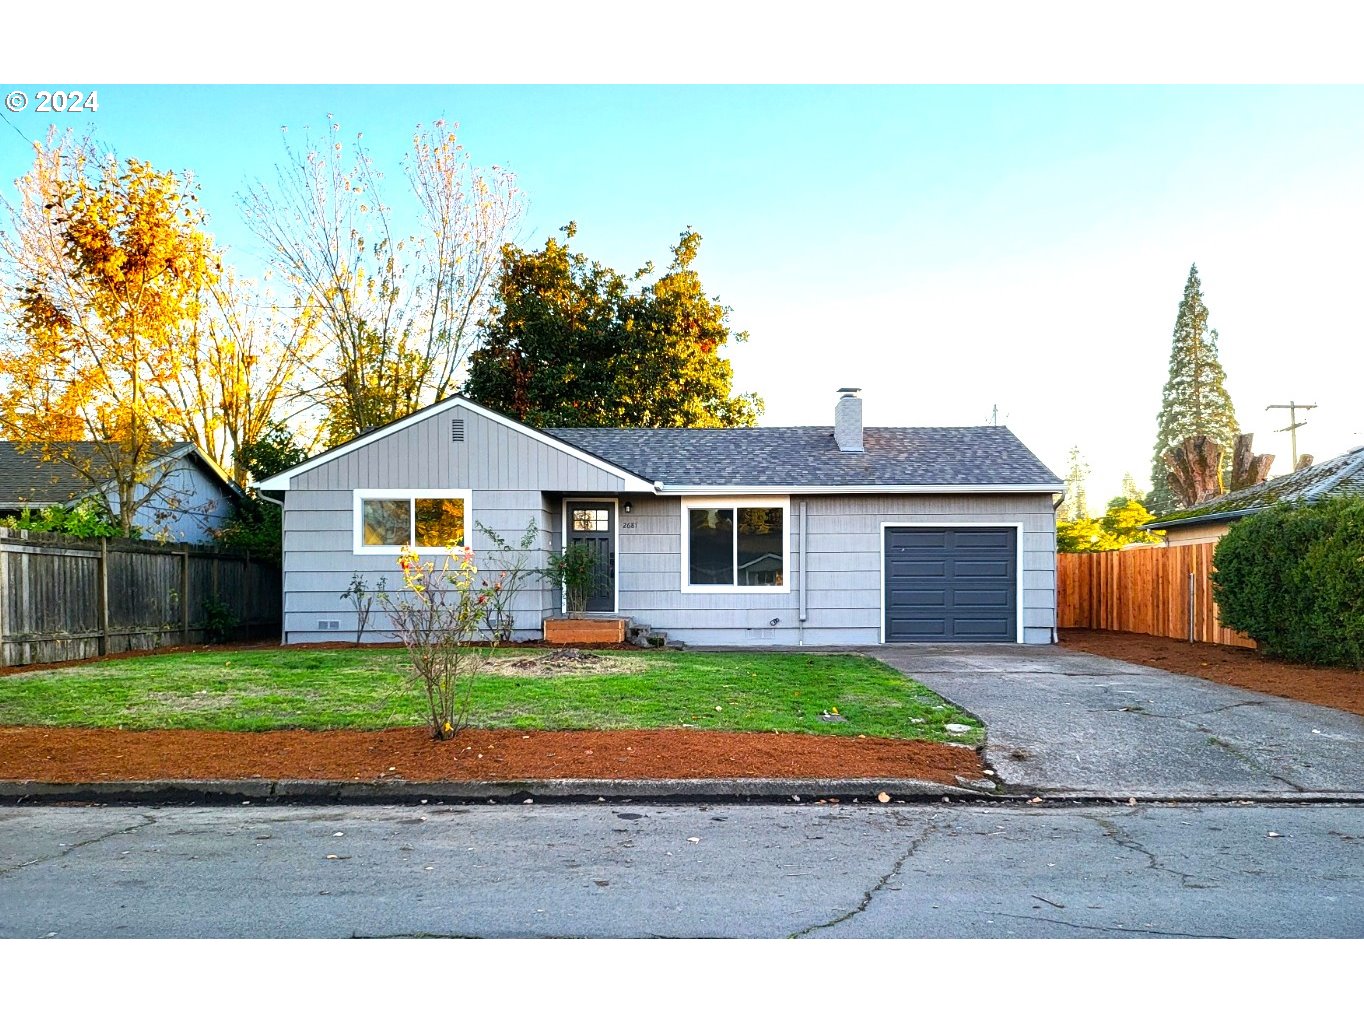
1340, 688
108, 754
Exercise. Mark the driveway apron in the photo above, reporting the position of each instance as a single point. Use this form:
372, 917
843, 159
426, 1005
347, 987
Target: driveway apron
1060, 721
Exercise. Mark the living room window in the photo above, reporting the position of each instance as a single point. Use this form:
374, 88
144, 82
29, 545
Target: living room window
432, 520
741, 545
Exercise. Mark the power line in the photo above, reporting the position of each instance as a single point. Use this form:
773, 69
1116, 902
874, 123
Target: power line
1292, 428
16, 129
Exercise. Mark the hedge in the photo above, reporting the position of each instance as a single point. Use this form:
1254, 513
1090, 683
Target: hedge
1292, 578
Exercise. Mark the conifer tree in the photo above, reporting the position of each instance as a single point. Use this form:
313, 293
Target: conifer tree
1195, 400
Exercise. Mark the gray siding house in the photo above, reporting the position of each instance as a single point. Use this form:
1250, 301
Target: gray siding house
193, 498
754, 536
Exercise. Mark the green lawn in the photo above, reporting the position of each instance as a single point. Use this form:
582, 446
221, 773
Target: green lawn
255, 690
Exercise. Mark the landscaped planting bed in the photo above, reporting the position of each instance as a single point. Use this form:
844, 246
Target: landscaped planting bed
350, 714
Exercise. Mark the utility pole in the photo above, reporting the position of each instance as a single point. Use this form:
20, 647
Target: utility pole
1292, 428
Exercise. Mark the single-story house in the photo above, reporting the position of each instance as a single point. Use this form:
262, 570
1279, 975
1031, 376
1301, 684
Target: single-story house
746, 536
1211, 519
193, 496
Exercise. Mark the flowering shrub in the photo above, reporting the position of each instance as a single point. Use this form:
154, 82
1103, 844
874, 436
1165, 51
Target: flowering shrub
435, 615
509, 572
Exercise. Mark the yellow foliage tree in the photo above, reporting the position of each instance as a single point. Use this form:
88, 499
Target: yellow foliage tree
107, 269
123, 329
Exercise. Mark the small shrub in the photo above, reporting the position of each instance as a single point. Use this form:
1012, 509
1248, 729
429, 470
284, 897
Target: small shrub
220, 622
86, 519
362, 599
1292, 578
508, 569
435, 616
574, 570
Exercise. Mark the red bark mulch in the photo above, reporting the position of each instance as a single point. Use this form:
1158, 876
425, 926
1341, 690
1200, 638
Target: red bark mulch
108, 754
1340, 688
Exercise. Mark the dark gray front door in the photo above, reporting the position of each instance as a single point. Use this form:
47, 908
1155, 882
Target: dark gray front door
594, 523
951, 585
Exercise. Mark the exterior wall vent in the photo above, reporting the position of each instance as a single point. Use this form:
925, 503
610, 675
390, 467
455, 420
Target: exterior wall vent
457, 431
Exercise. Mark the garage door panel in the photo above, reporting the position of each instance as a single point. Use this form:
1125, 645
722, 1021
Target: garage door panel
951, 584
920, 570
917, 598
984, 598
983, 541
983, 570
983, 628
921, 540
921, 628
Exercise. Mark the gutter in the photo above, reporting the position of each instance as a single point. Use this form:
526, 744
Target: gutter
668, 490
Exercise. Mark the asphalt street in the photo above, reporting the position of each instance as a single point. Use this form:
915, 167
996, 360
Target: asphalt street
937, 870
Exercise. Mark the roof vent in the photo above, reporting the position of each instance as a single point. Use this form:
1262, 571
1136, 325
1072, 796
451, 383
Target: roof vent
848, 419
457, 431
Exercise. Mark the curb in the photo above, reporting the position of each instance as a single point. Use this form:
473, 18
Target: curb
591, 790
566, 790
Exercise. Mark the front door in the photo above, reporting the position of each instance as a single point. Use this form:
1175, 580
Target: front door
593, 523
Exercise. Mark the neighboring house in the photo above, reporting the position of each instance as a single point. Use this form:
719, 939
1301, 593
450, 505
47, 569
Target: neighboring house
779, 535
194, 496
1211, 519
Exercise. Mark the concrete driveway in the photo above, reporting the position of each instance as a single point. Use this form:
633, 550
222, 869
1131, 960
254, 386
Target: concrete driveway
1060, 721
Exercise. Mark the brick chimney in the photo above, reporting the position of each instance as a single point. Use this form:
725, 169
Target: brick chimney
848, 419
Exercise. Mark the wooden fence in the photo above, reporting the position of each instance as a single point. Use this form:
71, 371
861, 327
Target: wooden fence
1159, 591
62, 598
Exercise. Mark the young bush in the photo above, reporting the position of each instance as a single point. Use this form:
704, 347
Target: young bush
508, 568
574, 569
1292, 578
435, 615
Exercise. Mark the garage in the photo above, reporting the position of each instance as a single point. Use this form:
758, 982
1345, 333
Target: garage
956, 584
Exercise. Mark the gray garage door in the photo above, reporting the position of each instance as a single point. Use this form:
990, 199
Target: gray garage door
951, 585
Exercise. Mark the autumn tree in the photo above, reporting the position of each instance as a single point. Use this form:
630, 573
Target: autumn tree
396, 309
1195, 400
106, 269
248, 373
570, 342
1122, 524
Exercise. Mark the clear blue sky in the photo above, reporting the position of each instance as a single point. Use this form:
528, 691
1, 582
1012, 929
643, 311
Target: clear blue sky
946, 248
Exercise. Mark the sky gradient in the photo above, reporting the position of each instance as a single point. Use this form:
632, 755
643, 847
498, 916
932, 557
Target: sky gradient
948, 249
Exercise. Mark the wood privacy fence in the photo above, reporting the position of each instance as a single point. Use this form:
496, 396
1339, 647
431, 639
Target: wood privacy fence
1159, 591
63, 598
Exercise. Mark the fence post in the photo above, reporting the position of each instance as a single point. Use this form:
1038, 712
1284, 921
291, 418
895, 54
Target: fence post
1191, 605
184, 594
4, 595
103, 595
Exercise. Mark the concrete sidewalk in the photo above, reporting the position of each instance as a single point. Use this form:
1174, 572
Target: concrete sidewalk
1063, 722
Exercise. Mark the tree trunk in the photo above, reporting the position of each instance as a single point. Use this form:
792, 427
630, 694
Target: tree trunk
1248, 469
1195, 470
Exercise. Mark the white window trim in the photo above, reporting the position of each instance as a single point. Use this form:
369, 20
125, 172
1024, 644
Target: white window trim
735, 502
358, 521
1015, 525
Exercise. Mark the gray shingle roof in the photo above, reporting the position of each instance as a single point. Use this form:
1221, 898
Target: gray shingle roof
1335, 477
25, 478
807, 456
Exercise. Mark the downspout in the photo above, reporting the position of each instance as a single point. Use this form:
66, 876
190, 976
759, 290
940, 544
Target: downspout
804, 606
1055, 629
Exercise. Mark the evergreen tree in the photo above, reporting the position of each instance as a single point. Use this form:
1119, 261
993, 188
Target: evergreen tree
1075, 506
1130, 490
1195, 399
